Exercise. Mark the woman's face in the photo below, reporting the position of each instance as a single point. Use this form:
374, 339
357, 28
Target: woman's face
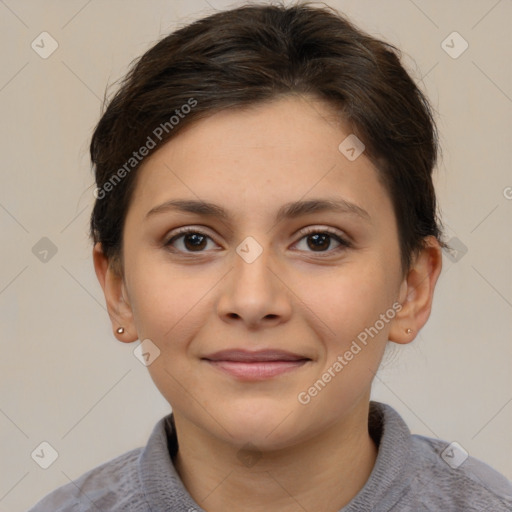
268, 279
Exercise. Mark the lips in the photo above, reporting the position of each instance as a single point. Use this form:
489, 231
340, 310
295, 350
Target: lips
245, 356
257, 365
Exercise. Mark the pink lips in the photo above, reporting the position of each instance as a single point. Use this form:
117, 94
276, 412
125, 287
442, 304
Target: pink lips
260, 365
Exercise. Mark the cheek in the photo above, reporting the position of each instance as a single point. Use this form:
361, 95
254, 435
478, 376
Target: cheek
352, 298
171, 306
357, 306
168, 310
161, 305
351, 306
159, 296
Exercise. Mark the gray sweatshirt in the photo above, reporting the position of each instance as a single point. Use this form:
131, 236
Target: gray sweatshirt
412, 473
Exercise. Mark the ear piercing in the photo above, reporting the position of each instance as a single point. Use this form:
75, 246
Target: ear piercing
120, 330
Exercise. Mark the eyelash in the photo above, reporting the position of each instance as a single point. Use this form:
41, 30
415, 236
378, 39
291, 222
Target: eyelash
344, 244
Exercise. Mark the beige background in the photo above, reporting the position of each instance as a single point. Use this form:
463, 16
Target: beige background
64, 377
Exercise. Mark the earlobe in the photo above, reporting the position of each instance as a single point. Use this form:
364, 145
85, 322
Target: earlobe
417, 293
118, 307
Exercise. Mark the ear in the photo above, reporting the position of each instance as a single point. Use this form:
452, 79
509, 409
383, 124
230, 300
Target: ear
116, 297
417, 293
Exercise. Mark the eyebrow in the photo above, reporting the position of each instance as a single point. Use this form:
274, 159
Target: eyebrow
287, 211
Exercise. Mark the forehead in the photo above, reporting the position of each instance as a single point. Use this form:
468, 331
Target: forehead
259, 157
279, 127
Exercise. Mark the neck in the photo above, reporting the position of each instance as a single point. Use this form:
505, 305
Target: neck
324, 473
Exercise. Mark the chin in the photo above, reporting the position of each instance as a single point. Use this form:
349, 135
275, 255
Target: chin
268, 426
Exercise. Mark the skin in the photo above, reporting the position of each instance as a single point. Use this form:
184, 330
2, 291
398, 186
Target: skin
297, 296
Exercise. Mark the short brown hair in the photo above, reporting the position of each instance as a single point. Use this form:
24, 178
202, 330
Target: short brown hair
256, 53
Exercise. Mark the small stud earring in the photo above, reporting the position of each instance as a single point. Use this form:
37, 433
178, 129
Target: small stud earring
408, 331
120, 330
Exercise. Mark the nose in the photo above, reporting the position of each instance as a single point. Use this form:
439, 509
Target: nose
254, 293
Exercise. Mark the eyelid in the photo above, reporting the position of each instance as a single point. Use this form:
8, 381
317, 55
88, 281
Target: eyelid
185, 230
342, 238
325, 229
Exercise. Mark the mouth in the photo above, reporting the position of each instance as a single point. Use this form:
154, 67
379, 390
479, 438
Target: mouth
254, 366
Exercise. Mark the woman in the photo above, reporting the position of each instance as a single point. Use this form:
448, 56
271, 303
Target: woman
265, 223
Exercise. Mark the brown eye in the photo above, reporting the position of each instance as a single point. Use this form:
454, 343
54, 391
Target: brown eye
320, 241
193, 241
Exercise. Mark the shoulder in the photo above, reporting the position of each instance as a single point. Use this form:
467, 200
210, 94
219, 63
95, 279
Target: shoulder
113, 486
416, 473
448, 478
